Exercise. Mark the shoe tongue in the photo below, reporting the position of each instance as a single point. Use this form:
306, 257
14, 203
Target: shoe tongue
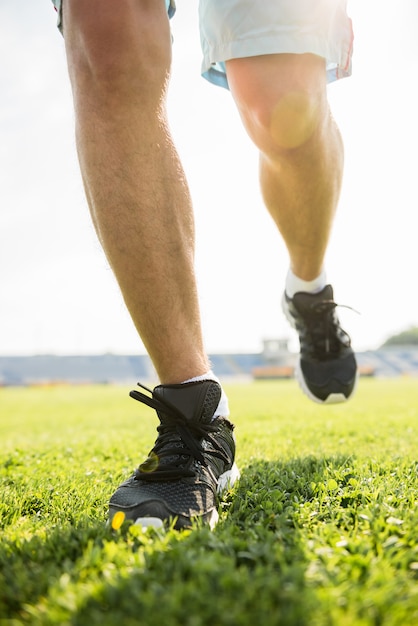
197, 401
303, 300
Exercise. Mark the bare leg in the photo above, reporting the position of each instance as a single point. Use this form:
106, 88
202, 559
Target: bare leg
119, 63
283, 104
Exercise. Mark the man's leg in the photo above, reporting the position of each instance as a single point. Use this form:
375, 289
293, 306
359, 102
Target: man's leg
119, 63
283, 104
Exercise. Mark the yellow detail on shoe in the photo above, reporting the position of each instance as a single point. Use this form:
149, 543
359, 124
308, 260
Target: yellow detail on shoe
118, 520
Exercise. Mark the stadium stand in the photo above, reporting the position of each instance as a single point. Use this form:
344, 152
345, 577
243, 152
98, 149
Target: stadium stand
112, 368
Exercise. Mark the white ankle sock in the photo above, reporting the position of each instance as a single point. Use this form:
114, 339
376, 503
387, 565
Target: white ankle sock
295, 284
223, 407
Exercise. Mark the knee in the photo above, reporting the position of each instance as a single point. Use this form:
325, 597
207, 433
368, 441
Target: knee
282, 107
113, 49
292, 121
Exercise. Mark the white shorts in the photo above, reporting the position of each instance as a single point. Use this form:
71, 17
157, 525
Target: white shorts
241, 28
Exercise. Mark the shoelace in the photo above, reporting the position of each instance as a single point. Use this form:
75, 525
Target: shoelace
324, 328
178, 441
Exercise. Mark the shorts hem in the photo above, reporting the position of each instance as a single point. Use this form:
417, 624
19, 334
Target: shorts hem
338, 60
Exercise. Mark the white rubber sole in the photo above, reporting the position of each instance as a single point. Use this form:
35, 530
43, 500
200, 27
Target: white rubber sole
149, 522
228, 479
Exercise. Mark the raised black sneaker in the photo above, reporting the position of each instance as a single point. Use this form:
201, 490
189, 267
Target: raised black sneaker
191, 463
327, 368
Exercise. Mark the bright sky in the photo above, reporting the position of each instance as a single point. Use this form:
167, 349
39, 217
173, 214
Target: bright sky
57, 293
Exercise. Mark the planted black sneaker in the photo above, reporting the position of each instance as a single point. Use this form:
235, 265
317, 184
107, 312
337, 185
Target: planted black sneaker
327, 368
191, 462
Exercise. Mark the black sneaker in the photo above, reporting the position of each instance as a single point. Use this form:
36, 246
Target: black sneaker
191, 462
327, 368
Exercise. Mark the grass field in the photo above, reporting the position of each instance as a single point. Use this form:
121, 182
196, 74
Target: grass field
322, 528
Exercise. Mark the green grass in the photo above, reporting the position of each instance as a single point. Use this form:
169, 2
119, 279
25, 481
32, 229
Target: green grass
322, 528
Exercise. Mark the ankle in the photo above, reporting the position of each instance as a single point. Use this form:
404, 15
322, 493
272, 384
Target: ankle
222, 409
294, 284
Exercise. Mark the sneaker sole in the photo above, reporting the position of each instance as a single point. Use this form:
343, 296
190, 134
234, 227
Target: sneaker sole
333, 398
225, 482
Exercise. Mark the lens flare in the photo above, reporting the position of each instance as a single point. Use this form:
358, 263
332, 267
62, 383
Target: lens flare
294, 120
